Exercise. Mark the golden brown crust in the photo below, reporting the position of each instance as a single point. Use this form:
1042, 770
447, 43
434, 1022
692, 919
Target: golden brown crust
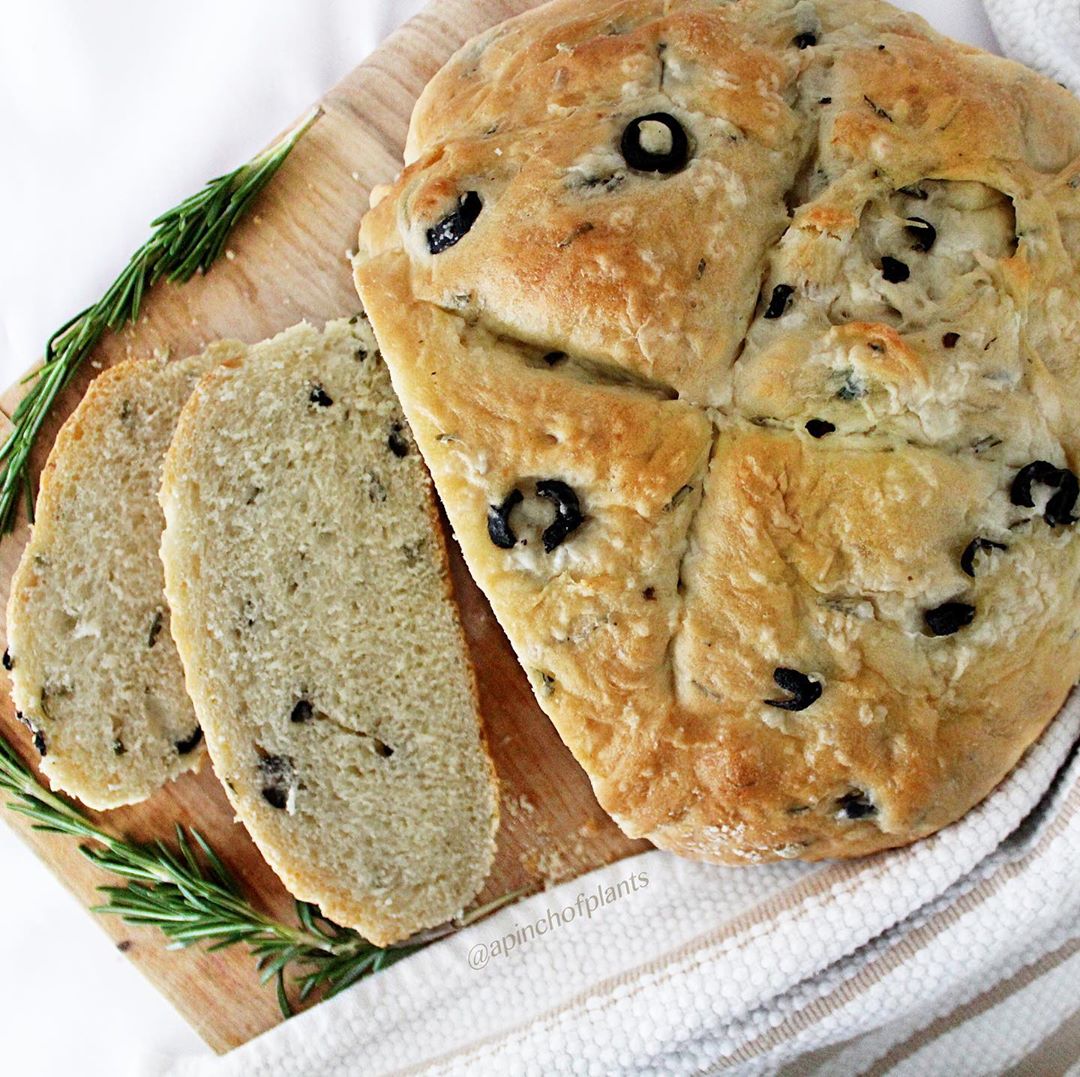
918, 203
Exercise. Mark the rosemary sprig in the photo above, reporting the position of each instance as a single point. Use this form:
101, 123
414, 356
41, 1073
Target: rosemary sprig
191, 897
186, 240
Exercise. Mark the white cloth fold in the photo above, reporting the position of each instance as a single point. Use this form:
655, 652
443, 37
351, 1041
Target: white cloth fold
959, 954
703, 967
1044, 34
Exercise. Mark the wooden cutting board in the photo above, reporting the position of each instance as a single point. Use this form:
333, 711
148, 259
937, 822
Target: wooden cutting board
288, 260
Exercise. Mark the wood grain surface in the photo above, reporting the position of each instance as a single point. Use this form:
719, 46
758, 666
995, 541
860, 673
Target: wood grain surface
286, 261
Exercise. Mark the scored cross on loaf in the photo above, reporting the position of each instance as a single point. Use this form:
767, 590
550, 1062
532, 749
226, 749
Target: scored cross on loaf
742, 341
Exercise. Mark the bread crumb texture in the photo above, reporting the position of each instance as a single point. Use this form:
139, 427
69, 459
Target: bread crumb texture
95, 674
742, 340
305, 568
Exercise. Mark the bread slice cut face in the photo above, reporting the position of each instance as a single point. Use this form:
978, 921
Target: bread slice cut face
305, 567
95, 674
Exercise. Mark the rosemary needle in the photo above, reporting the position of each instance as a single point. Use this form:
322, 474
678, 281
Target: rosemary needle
185, 240
191, 897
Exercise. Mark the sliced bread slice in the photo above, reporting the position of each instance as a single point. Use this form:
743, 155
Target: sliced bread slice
307, 575
95, 673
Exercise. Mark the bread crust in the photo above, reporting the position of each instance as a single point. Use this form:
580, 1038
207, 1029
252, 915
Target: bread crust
917, 204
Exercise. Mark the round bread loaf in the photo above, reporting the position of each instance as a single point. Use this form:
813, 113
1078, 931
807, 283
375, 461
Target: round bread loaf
742, 341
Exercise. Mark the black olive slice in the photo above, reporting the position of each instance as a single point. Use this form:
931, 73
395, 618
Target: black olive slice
189, 744
922, 233
949, 617
803, 690
395, 442
498, 521
8, 663
779, 301
950, 340
302, 712
450, 229
318, 395
967, 558
893, 270
275, 797
1059, 508
278, 773
818, 428
1037, 471
1058, 511
39, 736
804, 41
568, 517
856, 805
654, 155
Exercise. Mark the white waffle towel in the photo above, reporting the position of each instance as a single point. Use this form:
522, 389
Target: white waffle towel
959, 954
1044, 34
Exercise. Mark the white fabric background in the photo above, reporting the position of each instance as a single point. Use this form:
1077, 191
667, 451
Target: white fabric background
111, 112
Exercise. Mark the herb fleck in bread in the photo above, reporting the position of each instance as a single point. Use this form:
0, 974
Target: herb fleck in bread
743, 343
95, 673
305, 568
